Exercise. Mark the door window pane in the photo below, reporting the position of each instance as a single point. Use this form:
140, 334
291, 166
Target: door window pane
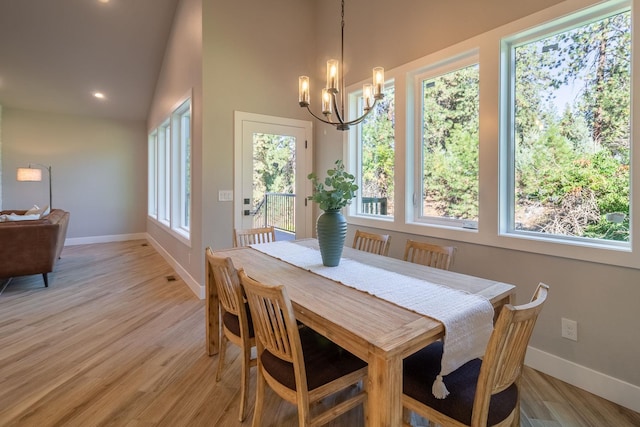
274, 162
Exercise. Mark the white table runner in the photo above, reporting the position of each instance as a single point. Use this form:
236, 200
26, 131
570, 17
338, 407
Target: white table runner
467, 318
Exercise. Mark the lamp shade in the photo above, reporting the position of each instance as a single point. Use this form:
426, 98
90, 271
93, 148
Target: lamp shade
29, 174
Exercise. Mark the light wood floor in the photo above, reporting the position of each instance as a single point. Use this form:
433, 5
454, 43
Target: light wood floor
113, 341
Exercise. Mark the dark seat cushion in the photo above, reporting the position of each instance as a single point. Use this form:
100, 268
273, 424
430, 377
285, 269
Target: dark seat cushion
420, 371
232, 322
324, 362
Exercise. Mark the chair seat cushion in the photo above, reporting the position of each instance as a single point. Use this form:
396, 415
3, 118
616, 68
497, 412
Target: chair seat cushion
420, 371
232, 322
324, 361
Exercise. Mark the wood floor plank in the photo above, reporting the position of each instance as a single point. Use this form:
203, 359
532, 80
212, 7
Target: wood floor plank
113, 342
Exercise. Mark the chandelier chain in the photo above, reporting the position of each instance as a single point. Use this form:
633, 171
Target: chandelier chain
342, 88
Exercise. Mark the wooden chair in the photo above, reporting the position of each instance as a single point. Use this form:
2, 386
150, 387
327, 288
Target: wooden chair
298, 364
429, 254
251, 236
237, 326
372, 242
482, 392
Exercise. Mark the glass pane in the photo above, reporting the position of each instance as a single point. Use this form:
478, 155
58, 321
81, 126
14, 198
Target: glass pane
186, 178
166, 196
274, 175
572, 131
153, 178
377, 157
450, 145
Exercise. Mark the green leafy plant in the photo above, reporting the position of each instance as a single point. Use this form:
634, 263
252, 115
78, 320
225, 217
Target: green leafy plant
337, 189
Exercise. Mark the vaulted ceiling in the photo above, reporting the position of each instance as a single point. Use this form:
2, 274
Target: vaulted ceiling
55, 54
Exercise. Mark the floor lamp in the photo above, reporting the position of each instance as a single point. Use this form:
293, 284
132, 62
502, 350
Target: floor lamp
32, 174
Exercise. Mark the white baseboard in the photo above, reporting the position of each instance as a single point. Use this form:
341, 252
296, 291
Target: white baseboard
104, 239
193, 284
605, 386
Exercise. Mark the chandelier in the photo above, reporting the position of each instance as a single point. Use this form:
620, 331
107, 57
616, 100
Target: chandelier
332, 107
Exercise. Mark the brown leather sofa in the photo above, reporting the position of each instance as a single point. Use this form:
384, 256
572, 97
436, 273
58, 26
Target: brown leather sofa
32, 247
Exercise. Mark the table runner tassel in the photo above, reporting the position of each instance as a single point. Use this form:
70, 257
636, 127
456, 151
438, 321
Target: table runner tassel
439, 389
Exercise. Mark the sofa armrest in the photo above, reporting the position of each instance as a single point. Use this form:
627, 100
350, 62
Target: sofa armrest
32, 247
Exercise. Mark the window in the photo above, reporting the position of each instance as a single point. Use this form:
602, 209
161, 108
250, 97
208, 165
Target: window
164, 173
447, 175
569, 131
152, 205
376, 158
181, 122
169, 173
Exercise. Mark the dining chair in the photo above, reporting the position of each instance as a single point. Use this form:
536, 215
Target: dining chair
483, 392
429, 254
298, 364
372, 242
250, 236
237, 326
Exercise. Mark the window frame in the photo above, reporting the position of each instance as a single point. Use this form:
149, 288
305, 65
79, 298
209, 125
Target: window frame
355, 155
164, 173
181, 159
507, 140
152, 182
170, 148
450, 65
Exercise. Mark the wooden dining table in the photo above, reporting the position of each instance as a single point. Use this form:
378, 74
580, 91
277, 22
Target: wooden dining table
379, 332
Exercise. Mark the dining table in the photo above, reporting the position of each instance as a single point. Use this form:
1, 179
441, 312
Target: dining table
378, 331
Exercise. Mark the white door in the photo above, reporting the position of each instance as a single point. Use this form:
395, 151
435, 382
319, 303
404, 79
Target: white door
272, 161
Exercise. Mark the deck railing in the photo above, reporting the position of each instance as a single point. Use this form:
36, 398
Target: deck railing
277, 209
374, 205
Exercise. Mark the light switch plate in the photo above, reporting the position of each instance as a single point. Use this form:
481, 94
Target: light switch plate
225, 195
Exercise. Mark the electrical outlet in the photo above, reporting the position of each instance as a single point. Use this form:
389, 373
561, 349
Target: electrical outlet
569, 329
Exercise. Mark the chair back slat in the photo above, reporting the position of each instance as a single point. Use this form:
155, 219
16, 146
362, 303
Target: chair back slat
429, 254
272, 318
226, 280
372, 242
504, 357
252, 236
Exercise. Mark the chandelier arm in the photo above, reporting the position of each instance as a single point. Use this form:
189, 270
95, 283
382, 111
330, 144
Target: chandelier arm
337, 110
361, 118
341, 121
358, 120
320, 118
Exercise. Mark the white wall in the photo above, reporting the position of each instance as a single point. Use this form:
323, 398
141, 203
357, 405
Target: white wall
253, 53
98, 169
181, 75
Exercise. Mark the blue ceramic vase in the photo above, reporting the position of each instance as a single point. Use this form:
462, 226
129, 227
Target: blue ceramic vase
331, 228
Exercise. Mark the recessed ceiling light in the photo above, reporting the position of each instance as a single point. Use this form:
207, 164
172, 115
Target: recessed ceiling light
98, 95
103, 1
